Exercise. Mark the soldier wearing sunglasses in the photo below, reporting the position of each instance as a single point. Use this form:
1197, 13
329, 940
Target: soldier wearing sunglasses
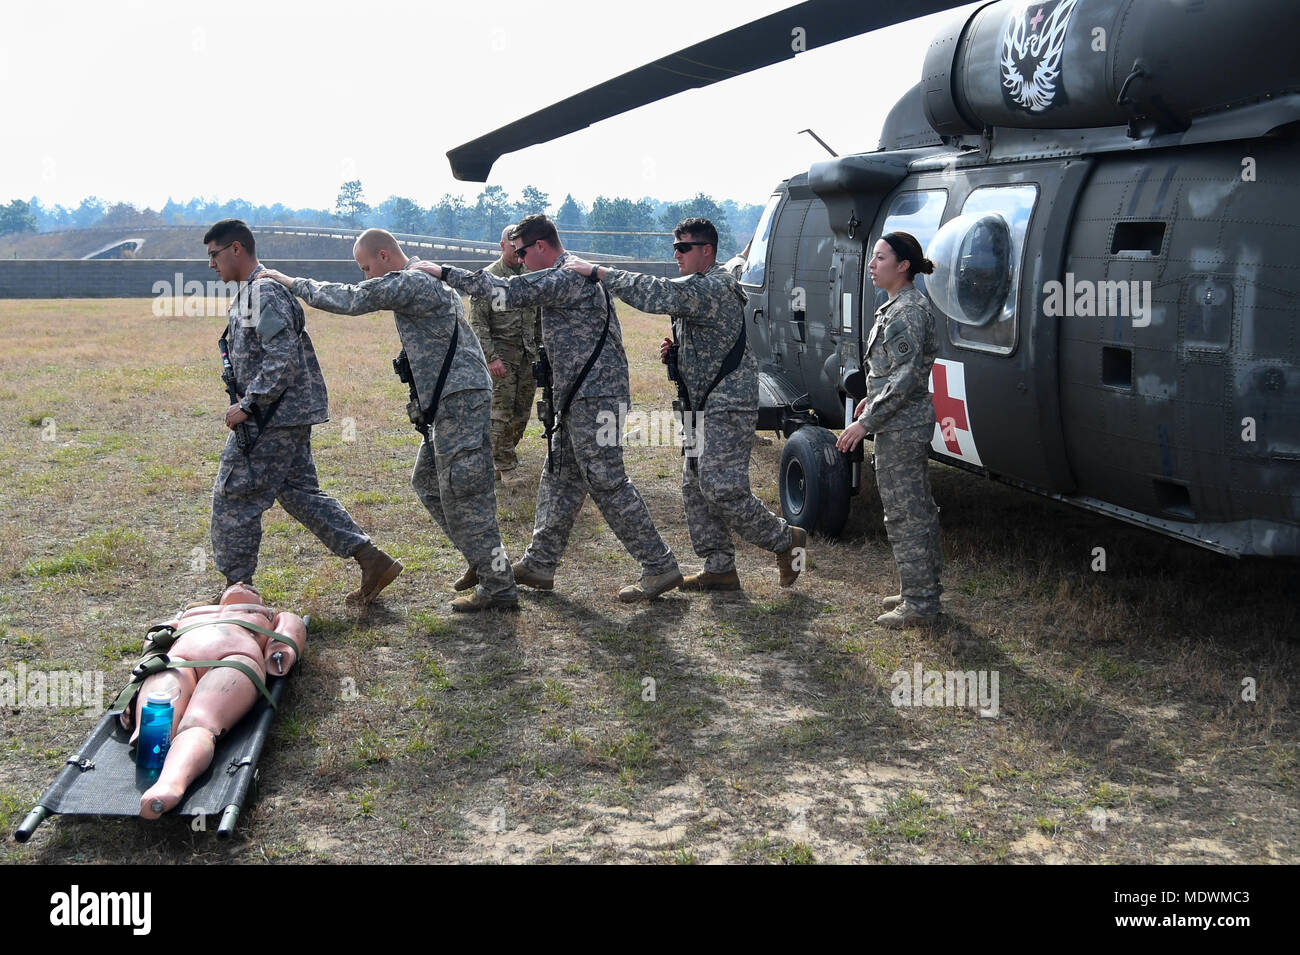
720, 376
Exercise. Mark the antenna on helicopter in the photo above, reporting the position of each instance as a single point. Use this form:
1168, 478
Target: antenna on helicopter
820, 140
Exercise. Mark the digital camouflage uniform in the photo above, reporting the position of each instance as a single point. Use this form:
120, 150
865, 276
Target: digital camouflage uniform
900, 414
454, 483
273, 358
573, 313
512, 336
708, 311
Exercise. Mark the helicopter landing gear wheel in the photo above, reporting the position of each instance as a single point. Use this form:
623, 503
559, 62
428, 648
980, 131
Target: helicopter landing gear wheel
814, 482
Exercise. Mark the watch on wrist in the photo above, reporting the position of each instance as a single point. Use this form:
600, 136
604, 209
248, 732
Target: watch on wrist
595, 274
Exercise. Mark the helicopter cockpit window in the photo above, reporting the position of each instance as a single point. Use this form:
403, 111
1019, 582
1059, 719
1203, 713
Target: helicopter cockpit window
918, 213
977, 258
756, 264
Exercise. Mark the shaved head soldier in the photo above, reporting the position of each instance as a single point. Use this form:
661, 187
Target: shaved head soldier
584, 344
452, 393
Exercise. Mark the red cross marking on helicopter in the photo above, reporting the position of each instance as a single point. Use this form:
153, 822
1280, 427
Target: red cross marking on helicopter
1038, 18
950, 411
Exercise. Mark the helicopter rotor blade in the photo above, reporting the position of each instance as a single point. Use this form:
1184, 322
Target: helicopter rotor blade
760, 43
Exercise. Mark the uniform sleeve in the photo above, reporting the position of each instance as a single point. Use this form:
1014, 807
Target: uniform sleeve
480, 319
392, 291
551, 287
903, 335
279, 349
695, 299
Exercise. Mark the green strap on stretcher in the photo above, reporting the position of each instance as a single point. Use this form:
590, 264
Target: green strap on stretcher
157, 662
256, 628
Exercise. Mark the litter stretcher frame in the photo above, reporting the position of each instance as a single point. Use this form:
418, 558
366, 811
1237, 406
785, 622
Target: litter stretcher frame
100, 778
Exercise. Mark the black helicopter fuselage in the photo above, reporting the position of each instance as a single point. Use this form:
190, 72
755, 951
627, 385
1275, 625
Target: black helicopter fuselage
1111, 194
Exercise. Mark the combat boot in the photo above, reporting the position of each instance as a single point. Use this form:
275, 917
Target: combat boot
532, 578
889, 603
905, 615
466, 580
378, 570
785, 560
706, 580
476, 600
648, 588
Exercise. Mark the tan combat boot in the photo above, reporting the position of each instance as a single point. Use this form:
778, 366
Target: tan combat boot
798, 551
905, 615
706, 580
474, 601
889, 603
378, 570
466, 580
532, 578
648, 588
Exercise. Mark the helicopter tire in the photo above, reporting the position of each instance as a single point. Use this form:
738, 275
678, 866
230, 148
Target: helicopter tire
814, 482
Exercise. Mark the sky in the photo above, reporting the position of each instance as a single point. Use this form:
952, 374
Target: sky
144, 100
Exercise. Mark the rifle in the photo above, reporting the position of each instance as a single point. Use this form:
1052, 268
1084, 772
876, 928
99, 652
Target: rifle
545, 407
232, 389
402, 368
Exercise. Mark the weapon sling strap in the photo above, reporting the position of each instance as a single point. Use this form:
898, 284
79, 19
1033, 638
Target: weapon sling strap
442, 372
591, 360
586, 369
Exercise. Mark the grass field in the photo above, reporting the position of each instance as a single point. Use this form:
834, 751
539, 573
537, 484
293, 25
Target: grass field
767, 734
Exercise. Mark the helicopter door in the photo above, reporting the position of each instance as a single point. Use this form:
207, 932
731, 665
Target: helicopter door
754, 281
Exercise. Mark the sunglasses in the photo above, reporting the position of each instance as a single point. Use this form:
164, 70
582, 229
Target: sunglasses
523, 249
684, 247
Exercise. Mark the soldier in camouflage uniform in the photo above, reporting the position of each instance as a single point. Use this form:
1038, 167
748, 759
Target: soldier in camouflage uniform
708, 311
509, 339
899, 411
452, 477
283, 395
575, 312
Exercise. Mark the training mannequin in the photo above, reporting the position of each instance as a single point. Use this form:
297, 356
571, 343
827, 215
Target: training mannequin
209, 701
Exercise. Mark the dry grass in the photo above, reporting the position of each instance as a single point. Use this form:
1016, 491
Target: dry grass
770, 737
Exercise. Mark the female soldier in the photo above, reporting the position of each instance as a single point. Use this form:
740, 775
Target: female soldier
899, 412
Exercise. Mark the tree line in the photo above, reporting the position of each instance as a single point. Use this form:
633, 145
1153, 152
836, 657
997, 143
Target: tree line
452, 216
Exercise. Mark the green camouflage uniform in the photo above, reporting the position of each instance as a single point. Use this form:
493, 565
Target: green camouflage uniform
454, 482
512, 336
900, 414
573, 313
708, 311
273, 358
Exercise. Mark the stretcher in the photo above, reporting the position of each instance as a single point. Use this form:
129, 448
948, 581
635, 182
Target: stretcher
100, 778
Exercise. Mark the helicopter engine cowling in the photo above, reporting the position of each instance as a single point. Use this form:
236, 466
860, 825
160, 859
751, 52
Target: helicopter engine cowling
1073, 64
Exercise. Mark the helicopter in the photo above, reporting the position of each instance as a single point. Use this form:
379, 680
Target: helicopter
1110, 192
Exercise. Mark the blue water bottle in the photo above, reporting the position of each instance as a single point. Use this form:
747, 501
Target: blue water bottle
155, 734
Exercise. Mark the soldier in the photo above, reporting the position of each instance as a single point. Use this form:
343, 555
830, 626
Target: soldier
899, 411
509, 339
584, 343
268, 454
452, 387
720, 376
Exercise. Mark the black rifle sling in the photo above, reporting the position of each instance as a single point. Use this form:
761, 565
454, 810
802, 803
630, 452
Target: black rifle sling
729, 364
600, 345
442, 372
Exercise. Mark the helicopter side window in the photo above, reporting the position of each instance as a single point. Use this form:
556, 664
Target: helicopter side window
756, 264
977, 258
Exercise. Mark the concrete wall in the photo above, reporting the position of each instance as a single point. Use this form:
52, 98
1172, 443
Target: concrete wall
141, 278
